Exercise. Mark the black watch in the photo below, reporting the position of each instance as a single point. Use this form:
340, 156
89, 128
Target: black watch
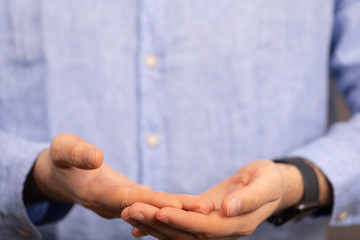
310, 201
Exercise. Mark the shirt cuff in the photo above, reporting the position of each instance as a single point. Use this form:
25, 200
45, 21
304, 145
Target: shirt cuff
47, 212
339, 161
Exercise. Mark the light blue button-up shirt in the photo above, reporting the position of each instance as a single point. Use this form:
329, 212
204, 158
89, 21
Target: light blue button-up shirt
230, 82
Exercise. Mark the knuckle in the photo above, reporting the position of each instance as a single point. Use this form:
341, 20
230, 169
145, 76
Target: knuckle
72, 154
121, 204
124, 201
118, 203
57, 139
59, 151
54, 149
154, 196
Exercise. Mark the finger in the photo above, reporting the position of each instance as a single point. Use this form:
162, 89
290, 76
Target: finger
143, 228
261, 189
106, 213
212, 226
69, 150
117, 197
145, 215
138, 233
196, 203
157, 199
185, 220
146, 230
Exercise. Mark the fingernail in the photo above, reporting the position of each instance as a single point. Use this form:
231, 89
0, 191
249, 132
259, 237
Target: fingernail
137, 232
89, 158
163, 219
138, 216
200, 210
233, 207
125, 214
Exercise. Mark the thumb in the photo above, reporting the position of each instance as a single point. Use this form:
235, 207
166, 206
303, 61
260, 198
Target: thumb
249, 198
68, 150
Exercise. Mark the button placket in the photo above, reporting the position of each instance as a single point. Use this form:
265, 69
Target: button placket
152, 140
152, 104
151, 61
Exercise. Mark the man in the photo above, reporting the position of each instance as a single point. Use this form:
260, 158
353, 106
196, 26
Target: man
178, 95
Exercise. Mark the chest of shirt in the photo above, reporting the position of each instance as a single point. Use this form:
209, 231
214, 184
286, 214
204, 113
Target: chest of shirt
226, 79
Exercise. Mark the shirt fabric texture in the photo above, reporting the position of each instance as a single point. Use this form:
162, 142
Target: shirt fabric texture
234, 81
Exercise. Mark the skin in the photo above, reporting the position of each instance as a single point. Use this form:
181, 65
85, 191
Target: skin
262, 188
72, 170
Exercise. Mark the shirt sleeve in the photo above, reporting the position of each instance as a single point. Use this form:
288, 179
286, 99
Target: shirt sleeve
337, 153
17, 158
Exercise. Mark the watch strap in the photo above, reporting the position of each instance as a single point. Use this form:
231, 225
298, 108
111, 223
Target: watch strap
309, 202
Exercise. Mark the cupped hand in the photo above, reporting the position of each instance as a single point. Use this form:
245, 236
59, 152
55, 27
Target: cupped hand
72, 170
242, 202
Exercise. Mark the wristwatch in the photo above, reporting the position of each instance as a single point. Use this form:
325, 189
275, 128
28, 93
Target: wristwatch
310, 201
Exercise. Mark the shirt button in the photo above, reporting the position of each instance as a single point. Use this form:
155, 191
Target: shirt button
152, 140
151, 61
23, 233
342, 216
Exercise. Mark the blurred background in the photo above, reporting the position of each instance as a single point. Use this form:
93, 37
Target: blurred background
340, 112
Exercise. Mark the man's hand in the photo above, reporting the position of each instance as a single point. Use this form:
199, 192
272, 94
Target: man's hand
72, 170
242, 202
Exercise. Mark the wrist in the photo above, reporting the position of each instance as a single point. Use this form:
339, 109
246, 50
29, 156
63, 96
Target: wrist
312, 180
293, 186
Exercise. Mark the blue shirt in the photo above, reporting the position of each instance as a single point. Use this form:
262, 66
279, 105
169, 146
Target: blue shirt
215, 84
